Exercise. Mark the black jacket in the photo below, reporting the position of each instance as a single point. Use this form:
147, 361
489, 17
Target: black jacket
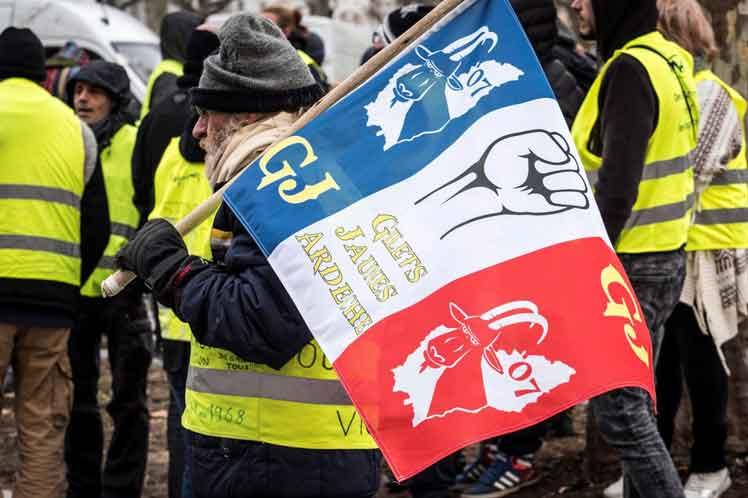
628, 109
539, 18
242, 306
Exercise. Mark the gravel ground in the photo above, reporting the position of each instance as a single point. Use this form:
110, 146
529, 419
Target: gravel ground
560, 461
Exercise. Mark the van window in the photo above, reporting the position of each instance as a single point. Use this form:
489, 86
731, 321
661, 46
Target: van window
6, 14
142, 57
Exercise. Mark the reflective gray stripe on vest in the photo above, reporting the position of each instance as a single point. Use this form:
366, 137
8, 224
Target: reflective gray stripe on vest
660, 214
718, 216
122, 230
46, 244
49, 194
107, 263
652, 171
730, 176
661, 169
268, 386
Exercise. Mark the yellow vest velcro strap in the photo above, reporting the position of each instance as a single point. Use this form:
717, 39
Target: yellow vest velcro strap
730, 176
33, 243
717, 216
661, 169
660, 214
50, 194
268, 386
123, 230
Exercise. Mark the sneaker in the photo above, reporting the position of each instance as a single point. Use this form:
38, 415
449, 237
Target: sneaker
615, 489
507, 475
709, 485
472, 472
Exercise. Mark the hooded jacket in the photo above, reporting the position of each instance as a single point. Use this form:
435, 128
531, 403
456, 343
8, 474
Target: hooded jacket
172, 117
538, 19
113, 79
628, 109
175, 33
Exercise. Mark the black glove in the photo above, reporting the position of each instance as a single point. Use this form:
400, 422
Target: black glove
158, 256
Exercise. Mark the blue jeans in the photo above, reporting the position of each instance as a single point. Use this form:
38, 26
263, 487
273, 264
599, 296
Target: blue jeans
625, 416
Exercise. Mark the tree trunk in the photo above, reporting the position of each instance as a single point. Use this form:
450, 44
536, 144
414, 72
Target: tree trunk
730, 22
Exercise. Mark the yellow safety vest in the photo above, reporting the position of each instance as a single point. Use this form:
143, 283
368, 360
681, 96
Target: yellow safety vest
721, 218
302, 405
661, 215
41, 184
123, 216
165, 66
179, 187
312, 64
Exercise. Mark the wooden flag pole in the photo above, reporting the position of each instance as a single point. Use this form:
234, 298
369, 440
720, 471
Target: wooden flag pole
115, 283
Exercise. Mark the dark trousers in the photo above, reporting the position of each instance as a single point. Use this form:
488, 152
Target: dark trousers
625, 416
435, 481
176, 364
126, 323
687, 352
523, 442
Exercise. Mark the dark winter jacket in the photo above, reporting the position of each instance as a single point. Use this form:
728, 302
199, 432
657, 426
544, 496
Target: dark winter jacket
539, 18
241, 305
628, 109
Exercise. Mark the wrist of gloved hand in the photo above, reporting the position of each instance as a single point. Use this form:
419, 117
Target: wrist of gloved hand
170, 276
157, 255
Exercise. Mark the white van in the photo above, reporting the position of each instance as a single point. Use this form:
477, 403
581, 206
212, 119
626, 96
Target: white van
103, 31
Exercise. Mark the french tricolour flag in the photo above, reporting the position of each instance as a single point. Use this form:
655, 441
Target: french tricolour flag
438, 234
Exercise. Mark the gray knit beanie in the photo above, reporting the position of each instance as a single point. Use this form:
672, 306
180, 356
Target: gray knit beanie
255, 70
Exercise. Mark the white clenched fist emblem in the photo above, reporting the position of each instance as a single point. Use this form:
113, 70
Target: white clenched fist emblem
527, 173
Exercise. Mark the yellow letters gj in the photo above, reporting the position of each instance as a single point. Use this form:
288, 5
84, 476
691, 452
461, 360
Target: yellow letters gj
309, 192
609, 277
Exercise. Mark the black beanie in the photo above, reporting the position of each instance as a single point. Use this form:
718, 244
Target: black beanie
402, 19
21, 55
107, 75
200, 45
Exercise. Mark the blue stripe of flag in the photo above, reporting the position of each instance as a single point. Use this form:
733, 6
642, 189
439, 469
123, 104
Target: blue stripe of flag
352, 153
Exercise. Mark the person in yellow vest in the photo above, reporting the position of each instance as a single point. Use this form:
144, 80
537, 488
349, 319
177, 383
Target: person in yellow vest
713, 301
635, 132
100, 94
177, 187
175, 31
286, 20
50, 239
266, 413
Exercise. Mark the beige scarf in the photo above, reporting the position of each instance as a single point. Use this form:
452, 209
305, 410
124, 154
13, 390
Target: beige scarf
247, 144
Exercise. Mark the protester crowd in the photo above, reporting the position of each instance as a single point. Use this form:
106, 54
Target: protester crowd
92, 184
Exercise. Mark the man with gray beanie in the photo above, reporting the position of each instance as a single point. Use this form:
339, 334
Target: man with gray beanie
265, 411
